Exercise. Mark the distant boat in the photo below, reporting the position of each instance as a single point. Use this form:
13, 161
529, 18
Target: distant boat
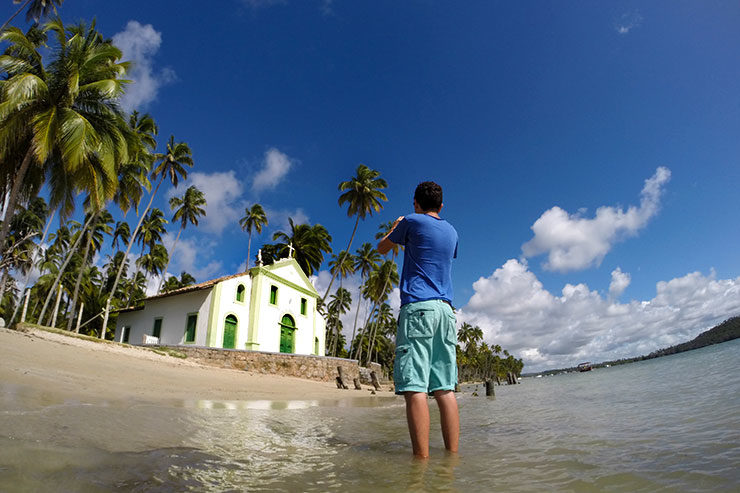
585, 366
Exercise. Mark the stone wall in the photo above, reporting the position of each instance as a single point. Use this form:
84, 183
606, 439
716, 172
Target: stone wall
321, 368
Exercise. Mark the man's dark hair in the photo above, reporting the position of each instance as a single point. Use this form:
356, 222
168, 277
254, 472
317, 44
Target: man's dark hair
429, 196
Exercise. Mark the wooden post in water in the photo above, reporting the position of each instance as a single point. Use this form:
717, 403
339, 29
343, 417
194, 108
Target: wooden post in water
374, 380
489, 389
357, 383
340, 379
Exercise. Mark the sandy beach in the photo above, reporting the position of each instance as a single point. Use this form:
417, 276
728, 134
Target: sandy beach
68, 367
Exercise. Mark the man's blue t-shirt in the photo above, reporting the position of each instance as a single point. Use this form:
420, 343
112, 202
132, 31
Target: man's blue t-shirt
430, 245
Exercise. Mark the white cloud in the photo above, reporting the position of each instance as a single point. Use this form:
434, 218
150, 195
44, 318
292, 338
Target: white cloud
551, 331
620, 281
278, 219
574, 242
275, 166
223, 192
627, 22
139, 44
188, 257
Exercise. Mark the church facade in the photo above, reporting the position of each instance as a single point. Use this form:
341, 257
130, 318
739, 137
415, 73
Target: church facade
270, 308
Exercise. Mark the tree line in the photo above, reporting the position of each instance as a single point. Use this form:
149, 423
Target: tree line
63, 135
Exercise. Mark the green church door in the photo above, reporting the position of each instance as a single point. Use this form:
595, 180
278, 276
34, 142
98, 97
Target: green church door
229, 332
287, 335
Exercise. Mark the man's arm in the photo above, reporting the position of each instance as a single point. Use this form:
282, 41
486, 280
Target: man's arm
385, 245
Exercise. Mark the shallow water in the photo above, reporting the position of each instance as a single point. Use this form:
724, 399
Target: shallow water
669, 424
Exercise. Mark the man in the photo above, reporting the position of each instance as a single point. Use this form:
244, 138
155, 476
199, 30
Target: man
426, 337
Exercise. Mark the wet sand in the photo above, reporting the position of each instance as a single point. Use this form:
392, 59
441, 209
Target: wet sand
69, 367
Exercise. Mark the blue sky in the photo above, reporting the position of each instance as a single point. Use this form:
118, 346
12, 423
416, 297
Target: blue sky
588, 151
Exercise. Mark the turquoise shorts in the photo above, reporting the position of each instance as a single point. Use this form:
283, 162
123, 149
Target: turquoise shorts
425, 348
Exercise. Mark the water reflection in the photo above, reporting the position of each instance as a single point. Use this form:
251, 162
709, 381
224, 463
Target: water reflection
279, 405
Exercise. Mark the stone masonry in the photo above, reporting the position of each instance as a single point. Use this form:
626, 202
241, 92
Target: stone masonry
321, 368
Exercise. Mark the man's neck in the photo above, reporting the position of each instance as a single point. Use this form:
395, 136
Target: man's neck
434, 214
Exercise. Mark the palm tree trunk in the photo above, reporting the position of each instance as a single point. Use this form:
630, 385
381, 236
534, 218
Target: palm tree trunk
346, 252
120, 268
249, 247
33, 262
13, 198
357, 314
164, 272
82, 267
14, 15
364, 330
61, 271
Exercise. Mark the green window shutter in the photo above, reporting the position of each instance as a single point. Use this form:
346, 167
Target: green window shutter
157, 330
240, 293
273, 295
303, 306
190, 327
126, 333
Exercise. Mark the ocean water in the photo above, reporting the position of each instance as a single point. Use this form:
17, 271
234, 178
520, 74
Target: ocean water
668, 424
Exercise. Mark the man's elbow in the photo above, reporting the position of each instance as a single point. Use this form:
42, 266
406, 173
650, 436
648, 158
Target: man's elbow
384, 246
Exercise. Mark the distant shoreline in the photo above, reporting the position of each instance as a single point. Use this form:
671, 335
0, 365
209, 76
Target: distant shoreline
724, 332
70, 367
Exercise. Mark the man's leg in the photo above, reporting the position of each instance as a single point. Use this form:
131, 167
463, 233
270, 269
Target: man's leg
417, 415
449, 418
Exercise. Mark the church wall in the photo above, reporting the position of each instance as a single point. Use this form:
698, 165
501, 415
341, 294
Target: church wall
174, 311
288, 303
226, 304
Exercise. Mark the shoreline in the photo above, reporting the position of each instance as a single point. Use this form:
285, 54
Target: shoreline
64, 367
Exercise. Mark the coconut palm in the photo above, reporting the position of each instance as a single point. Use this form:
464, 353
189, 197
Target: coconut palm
172, 165
66, 114
363, 195
254, 218
150, 234
154, 262
366, 259
122, 232
173, 282
342, 265
132, 175
340, 303
309, 244
379, 285
189, 209
36, 10
101, 224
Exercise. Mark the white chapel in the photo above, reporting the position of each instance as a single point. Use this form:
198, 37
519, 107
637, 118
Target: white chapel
269, 308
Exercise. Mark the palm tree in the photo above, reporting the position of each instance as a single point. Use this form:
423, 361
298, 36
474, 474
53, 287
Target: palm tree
122, 232
37, 10
377, 288
66, 115
172, 165
100, 224
342, 265
173, 282
150, 234
363, 195
254, 218
366, 259
309, 242
189, 209
340, 303
154, 262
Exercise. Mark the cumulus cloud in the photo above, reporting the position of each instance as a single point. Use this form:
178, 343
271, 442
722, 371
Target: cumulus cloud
275, 166
574, 242
620, 281
139, 44
223, 192
627, 22
188, 257
550, 330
